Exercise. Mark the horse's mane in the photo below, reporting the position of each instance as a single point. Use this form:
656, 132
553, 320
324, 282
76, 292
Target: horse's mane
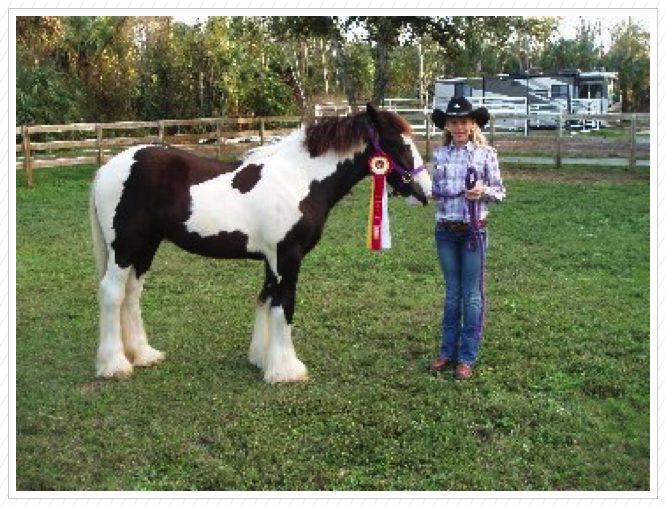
340, 134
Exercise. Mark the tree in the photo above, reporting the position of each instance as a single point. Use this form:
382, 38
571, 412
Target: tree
385, 33
462, 45
100, 52
43, 35
114, 68
496, 44
584, 52
44, 94
307, 41
89, 59
156, 95
629, 55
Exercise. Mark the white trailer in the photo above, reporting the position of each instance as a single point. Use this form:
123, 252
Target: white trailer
568, 91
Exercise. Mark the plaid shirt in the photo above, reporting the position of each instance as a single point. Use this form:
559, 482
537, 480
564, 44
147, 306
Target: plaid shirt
450, 164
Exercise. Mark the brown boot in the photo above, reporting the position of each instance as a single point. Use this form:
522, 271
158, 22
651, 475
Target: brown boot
464, 371
439, 364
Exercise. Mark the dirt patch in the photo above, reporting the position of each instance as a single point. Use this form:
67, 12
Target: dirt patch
574, 177
571, 147
540, 145
546, 146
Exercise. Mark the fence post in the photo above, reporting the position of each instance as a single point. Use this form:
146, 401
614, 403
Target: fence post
218, 141
427, 142
527, 125
492, 130
632, 154
261, 131
560, 125
27, 163
100, 149
160, 130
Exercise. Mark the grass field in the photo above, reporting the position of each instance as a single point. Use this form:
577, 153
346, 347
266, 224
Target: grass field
560, 402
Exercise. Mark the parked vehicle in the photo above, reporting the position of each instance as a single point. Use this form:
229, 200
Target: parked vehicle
568, 91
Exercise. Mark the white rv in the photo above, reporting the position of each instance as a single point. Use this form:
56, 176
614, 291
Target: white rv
569, 91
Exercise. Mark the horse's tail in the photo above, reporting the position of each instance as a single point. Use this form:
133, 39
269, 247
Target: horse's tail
99, 243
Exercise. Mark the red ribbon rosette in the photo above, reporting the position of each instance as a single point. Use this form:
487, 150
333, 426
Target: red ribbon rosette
378, 232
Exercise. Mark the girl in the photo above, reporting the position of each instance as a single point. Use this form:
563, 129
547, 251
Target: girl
466, 179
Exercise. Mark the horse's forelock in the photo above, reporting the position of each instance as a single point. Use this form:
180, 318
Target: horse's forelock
340, 134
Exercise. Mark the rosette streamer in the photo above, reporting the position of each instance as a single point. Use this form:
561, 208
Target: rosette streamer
379, 233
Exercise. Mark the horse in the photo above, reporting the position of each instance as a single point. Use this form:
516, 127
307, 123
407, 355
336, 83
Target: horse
271, 206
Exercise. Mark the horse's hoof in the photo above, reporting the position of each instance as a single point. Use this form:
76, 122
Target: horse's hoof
277, 378
118, 368
297, 372
148, 357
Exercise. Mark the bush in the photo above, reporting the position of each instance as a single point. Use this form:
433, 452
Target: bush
44, 95
267, 95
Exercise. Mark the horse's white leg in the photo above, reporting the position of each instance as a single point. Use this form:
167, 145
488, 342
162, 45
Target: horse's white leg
125, 324
111, 361
260, 334
137, 348
282, 365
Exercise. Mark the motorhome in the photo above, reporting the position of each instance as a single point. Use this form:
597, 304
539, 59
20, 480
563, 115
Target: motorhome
536, 93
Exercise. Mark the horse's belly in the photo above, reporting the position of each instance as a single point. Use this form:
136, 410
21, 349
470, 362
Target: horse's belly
254, 222
224, 245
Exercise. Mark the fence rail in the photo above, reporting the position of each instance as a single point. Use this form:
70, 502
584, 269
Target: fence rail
221, 136
103, 145
560, 120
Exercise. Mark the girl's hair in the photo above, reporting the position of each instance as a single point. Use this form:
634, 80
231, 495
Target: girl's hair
476, 137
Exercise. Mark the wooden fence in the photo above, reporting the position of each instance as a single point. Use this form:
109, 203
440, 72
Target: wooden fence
100, 146
560, 120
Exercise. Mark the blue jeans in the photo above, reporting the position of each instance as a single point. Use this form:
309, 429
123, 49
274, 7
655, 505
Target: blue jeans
461, 268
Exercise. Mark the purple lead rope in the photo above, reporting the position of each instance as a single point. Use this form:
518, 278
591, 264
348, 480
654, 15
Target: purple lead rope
476, 241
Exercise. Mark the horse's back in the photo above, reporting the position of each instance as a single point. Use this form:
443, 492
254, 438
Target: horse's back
162, 167
151, 175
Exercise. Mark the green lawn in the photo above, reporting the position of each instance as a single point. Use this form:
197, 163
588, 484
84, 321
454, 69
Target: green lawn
560, 402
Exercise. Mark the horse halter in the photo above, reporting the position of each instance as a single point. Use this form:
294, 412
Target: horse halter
406, 176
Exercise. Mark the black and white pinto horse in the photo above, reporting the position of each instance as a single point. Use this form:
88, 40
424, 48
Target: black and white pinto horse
270, 207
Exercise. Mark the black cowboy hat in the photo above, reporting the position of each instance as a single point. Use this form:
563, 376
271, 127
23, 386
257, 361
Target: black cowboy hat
460, 107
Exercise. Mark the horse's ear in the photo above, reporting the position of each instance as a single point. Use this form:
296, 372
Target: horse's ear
373, 114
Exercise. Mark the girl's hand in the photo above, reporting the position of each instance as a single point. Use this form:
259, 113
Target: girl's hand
476, 192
